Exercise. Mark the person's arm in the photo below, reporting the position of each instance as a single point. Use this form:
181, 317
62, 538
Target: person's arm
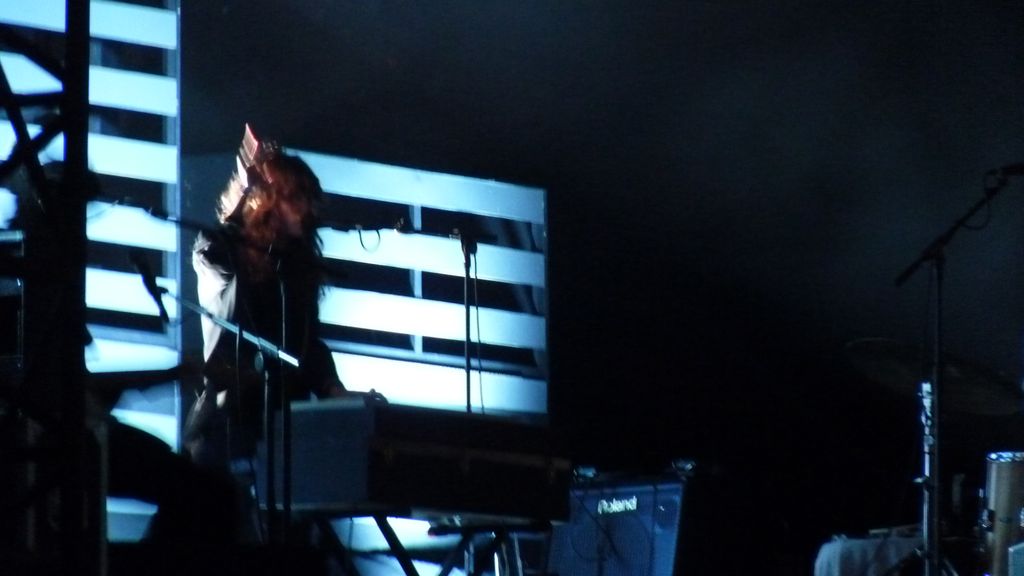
321, 372
215, 285
211, 260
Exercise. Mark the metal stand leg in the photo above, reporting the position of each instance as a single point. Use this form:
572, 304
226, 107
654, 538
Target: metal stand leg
401, 554
330, 539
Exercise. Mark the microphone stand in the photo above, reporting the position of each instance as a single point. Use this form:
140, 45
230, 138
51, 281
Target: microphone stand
272, 350
932, 391
265, 347
469, 247
468, 250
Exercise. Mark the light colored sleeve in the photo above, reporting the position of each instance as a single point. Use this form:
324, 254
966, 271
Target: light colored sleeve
216, 287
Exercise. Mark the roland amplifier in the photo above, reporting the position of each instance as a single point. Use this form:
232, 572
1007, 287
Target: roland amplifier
619, 528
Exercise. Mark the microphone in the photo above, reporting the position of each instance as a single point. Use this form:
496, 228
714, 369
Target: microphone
1011, 170
997, 178
149, 280
349, 226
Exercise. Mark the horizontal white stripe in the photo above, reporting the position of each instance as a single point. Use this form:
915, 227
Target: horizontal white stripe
433, 254
406, 315
25, 77
134, 91
121, 89
129, 158
362, 179
129, 226
108, 20
8, 207
105, 355
111, 155
440, 387
124, 292
134, 24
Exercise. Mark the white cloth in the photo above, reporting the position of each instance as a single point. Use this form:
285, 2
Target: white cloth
384, 565
863, 556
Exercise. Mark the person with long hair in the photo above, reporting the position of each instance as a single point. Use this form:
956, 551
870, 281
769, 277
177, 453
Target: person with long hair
259, 270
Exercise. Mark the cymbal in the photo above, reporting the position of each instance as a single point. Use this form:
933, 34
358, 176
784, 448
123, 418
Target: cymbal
966, 387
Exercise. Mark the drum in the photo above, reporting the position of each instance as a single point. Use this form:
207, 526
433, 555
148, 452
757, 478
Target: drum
1002, 522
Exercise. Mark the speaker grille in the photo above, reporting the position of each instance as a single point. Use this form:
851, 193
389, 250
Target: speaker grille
621, 528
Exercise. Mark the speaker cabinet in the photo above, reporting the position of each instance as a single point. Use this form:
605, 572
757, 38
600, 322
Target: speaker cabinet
619, 528
1015, 560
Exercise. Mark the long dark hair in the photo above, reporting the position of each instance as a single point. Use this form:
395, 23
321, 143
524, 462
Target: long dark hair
278, 211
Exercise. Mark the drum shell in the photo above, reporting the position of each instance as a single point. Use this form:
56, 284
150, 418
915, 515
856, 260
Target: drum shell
1004, 497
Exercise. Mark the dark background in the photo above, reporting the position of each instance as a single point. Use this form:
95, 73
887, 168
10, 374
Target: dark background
733, 188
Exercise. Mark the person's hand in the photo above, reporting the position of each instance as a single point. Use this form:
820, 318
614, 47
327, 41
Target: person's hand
375, 397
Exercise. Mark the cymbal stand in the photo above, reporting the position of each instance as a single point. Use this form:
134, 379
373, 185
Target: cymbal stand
932, 393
